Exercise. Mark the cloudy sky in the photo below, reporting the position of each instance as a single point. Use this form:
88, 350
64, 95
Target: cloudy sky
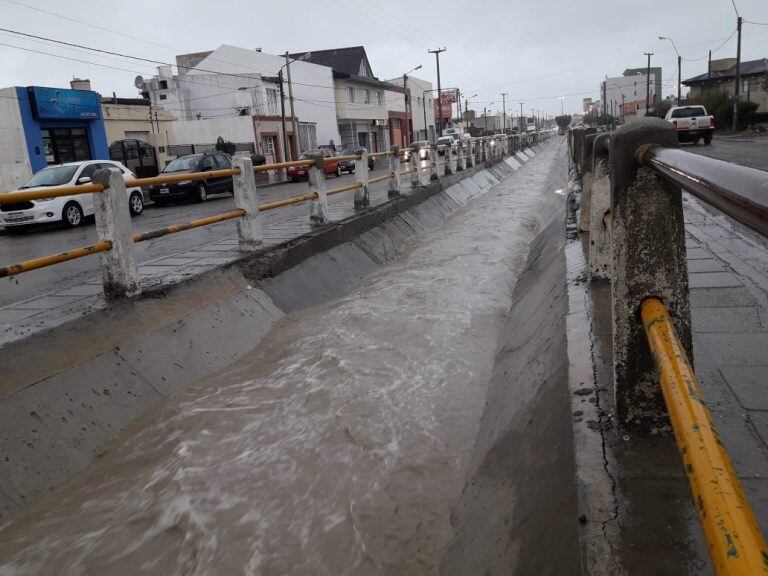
533, 50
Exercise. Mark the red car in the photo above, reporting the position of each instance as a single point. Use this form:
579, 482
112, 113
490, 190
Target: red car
296, 173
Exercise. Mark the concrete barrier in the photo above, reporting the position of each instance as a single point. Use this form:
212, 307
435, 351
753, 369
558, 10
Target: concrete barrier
649, 260
600, 265
586, 178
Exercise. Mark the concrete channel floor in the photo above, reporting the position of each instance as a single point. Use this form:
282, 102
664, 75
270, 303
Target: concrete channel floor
43, 311
653, 528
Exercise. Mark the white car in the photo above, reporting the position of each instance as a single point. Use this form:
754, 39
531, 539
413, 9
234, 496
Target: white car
70, 210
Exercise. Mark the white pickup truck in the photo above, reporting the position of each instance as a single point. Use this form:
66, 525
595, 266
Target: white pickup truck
692, 123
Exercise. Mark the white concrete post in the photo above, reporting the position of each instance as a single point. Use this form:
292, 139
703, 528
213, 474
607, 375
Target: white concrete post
249, 227
362, 199
318, 208
506, 146
462, 163
470, 158
448, 169
433, 162
394, 168
120, 277
600, 257
415, 161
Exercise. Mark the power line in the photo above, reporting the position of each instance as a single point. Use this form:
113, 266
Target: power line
734, 7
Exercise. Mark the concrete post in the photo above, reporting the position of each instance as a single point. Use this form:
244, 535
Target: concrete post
470, 156
649, 260
586, 179
394, 168
599, 234
318, 208
362, 199
433, 162
578, 147
120, 277
415, 161
486, 150
462, 162
249, 228
449, 150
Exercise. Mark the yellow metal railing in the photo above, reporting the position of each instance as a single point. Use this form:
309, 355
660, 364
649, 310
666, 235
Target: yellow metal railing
736, 545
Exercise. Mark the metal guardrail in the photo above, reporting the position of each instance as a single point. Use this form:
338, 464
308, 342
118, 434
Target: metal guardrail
736, 545
645, 210
106, 245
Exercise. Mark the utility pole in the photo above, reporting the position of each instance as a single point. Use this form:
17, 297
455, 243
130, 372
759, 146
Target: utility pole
294, 125
504, 111
437, 52
405, 90
709, 75
458, 105
648, 83
679, 77
738, 77
623, 110
605, 111
522, 126
485, 119
286, 151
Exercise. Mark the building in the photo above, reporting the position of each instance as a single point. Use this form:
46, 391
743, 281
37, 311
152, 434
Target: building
420, 111
655, 73
625, 96
753, 75
586, 104
41, 126
362, 101
234, 93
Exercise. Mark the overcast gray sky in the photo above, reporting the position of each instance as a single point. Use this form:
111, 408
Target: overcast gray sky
534, 50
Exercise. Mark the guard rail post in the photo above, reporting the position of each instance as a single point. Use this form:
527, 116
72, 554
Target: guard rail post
362, 200
461, 159
586, 178
506, 146
394, 168
433, 163
600, 204
649, 261
578, 139
318, 207
449, 150
250, 232
469, 156
415, 160
120, 276
473, 153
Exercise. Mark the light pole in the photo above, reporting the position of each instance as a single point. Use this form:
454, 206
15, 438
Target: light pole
437, 52
522, 126
485, 116
648, 83
407, 139
562, 105
466, 103
504, 112
287, 154
679, 66
425, 107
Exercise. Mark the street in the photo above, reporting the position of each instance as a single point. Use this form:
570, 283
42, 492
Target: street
751, 152
42, 241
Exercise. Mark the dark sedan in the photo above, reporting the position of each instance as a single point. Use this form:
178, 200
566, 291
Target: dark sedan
349, 165
193, 189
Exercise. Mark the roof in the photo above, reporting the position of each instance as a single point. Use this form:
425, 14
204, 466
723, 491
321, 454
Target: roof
751, 68
348, 60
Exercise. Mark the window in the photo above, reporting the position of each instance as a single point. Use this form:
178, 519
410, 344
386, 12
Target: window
222, 161
268, 145
163, 84
366, 96
308, 136
350, 94
163, 97
688, 112
272, 101
380, 97
207, 163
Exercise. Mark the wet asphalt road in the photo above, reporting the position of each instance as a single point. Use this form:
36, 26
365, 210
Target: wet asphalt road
42, 241
746, 151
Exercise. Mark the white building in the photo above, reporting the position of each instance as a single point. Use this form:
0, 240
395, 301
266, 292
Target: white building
625, 95
220, 87
421, 108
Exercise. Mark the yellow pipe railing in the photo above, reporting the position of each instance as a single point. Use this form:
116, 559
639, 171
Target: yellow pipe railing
44, 261
736, 545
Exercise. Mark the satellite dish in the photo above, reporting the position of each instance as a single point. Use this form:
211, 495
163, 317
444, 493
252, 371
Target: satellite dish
139, 82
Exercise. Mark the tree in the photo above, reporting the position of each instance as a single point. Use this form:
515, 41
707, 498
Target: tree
563, 121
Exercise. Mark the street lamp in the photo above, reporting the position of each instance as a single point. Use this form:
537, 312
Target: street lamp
485, 115
405, 91
426, 137
504, 112
562, 105
287, 155
679, 66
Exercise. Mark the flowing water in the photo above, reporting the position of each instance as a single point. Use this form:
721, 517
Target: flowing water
337, 446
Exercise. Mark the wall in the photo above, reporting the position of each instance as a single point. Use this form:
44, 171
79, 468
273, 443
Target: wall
14, 162
416, 86
632, 87
120, 119
358, 110
232, 128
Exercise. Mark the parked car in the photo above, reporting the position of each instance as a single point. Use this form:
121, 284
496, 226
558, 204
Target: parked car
193, 189
69, 210
442, 143
296, 173
423, 148
692, 123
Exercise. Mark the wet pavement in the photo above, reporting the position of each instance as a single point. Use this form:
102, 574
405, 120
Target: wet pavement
340, 444
747, 151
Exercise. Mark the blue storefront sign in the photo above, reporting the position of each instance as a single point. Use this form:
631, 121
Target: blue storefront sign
62, 103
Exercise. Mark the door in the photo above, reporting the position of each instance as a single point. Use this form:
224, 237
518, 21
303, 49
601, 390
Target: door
86, 200
65, 145
224, 183
362, 140
206, 165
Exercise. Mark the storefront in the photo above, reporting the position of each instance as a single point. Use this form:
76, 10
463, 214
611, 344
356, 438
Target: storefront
61, 125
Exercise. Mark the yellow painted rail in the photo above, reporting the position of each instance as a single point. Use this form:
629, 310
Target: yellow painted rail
736, 545
44, 261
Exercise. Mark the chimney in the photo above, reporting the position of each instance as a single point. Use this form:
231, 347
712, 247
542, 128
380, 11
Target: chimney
80, 84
